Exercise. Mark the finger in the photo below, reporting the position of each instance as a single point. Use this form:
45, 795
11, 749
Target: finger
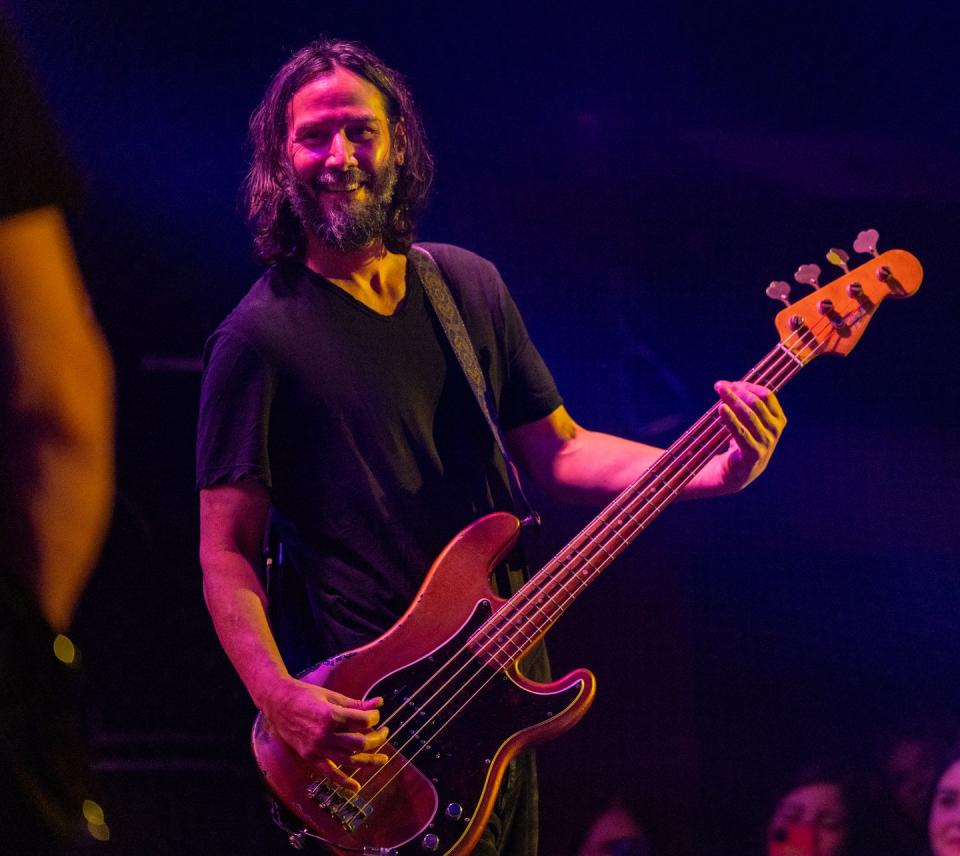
354, 718
354, 703
370, 759
750, 409
773, 403
337, 777
744, 440
354, 742
769, 399
739, 415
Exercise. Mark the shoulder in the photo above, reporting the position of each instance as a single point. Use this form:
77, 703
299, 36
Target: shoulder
262, 312
470, 277
458, 263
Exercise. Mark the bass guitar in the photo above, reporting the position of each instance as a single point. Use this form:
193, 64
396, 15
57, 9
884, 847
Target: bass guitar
457, 704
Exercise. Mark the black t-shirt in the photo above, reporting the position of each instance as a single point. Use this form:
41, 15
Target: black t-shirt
33, 166
365, 430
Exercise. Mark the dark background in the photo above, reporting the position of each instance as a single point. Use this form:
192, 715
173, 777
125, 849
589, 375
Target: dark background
639, 175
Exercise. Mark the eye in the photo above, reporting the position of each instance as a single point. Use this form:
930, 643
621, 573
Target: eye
947, 799
360, 133
312, 136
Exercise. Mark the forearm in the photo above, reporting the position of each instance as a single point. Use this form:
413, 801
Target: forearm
577, 465
71, 489
62, 400
591, 467
238, 606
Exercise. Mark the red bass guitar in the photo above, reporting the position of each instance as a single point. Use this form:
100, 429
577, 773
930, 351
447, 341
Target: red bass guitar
457, 704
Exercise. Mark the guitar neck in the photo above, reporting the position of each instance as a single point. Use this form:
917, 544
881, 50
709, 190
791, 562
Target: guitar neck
534, 608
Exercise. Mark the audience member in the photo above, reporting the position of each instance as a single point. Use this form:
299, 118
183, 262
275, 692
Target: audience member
823, 811
944, 818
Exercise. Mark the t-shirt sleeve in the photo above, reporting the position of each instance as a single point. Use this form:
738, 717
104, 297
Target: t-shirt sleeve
529, 391
33, 167
236, 394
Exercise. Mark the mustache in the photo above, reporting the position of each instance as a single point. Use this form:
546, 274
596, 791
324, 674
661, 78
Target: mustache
337, 179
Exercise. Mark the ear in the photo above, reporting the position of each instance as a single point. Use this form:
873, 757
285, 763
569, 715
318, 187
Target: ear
400, 142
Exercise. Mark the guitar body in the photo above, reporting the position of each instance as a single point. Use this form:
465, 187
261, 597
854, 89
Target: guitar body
450, 745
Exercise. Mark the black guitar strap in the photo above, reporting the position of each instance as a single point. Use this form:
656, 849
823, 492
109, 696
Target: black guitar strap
450, 319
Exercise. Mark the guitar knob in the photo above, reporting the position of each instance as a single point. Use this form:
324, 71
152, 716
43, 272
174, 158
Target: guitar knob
454, 811
430, 842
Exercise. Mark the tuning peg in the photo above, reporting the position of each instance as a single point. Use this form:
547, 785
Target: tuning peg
867, 242
779, 290
839, 258
808, 275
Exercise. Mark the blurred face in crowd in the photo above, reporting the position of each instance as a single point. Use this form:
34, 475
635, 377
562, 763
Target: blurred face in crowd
911, 768
819, 812
613, 833
945, 814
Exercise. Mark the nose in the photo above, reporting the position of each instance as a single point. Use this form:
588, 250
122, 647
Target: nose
341, 152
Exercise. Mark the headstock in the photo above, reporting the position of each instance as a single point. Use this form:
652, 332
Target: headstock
832, 319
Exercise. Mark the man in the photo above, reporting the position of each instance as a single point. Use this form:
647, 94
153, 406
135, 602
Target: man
332, 403
56, 472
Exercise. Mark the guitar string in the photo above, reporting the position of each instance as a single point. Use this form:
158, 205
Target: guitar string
575, 549
707, 448
626, 521
616, 525
503, 614
706, 452
538, 609
612, 525
712, 421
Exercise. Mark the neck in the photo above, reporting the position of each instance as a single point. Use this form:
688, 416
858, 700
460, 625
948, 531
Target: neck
364, 263
371, 274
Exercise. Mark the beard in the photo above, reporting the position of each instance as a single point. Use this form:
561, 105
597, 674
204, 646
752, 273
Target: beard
336, 217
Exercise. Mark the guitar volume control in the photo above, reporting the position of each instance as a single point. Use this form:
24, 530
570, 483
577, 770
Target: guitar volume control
454, 811
430, 842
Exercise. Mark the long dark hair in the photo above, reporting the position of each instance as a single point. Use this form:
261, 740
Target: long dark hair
277, 232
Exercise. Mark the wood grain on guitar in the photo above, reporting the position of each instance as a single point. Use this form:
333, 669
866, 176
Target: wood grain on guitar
458, 707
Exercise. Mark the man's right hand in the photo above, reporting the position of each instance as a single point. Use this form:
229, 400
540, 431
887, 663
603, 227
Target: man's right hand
330, 731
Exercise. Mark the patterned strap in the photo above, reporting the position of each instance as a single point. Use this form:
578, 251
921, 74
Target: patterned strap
450, 319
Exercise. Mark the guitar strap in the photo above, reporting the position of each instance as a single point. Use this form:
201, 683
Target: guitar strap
450, 319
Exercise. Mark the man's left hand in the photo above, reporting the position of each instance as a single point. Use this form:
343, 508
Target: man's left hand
755, 420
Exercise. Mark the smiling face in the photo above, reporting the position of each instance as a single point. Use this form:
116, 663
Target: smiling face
820, 807
945, 814
342, 158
